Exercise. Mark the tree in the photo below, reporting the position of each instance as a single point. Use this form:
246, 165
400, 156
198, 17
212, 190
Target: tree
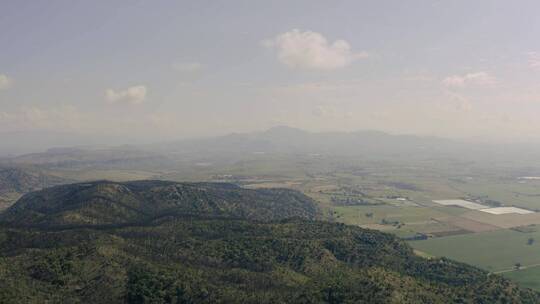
517, 265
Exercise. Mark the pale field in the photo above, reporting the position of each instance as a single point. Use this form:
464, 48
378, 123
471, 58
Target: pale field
269, 185
506, 210
508, 220
460, 203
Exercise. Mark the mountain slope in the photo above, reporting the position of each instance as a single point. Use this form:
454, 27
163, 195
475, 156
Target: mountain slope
111, 203
212, 252
16, 181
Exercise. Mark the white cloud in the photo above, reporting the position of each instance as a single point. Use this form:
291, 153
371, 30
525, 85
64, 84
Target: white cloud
131, 95
470, 79
5, 82
191, 66
311, 50
534, 60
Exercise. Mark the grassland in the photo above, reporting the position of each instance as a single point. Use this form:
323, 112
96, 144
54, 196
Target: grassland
528, 277
494, 251
356, 215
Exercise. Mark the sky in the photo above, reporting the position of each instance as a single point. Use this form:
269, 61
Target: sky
148, 71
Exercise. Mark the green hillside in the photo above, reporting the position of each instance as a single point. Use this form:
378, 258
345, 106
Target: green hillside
105, 203
164, 242
16, 181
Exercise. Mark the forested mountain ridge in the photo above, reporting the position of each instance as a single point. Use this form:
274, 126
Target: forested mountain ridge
222, 244
114, 203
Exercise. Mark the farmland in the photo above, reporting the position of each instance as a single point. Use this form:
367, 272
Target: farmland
494, 250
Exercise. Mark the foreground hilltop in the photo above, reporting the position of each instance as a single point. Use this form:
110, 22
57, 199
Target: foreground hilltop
105, 203
166, 242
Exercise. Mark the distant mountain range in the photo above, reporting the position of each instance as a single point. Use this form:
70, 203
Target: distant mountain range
279, 141
291, 140
167, 242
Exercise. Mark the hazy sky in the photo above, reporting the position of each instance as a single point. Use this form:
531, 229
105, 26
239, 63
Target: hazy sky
155, 70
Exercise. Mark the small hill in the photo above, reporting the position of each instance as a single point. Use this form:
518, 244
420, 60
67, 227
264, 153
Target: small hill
111, 203
16, 181
166, 242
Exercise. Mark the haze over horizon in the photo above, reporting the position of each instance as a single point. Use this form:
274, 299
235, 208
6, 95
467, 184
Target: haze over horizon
145, 72
298, 151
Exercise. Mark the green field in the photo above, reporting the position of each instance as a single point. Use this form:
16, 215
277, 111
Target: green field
529, 277
356, 215
494, 251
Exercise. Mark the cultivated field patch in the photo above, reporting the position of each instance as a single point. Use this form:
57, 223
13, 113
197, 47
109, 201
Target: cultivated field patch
460, 203
451, 232
506, 210
509, 220
468, 224
434, 227
270, 185
495, 251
